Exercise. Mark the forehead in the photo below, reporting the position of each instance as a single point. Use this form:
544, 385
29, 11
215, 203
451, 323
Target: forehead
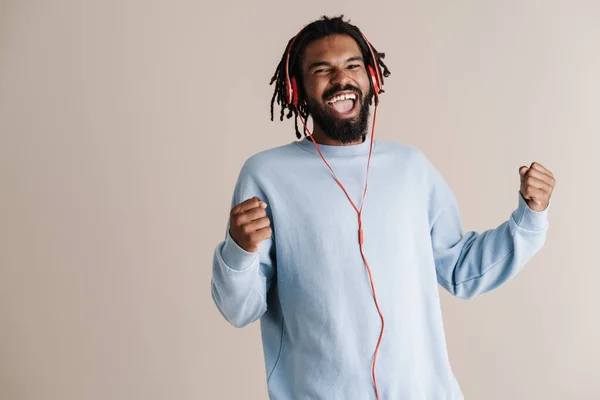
331, 49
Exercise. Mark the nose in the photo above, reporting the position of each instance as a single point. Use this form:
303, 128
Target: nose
340, 77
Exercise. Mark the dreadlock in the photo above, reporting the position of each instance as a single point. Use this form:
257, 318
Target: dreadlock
314, 31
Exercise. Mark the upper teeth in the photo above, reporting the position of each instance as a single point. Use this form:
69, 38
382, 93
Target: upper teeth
351, 96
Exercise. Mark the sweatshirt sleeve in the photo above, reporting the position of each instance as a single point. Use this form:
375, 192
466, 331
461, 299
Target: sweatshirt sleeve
473, 263
241, 279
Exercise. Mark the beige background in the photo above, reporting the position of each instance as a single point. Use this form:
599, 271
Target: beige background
123, 126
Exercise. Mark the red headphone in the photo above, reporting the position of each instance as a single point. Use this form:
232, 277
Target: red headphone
291, 88
292, 98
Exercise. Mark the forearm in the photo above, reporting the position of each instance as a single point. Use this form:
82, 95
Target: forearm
472, 264
238, 286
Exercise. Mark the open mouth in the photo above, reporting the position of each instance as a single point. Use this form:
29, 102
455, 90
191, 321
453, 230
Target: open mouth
344, 104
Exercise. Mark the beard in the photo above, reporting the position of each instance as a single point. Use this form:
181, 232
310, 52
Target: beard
344, 130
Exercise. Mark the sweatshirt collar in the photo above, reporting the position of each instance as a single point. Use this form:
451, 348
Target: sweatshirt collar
339, 151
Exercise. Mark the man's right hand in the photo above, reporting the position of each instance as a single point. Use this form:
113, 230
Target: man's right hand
249, 224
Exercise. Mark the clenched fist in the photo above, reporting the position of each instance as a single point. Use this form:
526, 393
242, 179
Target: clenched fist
537, 184
249, 224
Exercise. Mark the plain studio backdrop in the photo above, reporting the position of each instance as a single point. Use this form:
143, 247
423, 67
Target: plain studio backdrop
124, 124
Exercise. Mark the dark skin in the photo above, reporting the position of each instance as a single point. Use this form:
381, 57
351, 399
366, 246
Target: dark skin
249, 224
328, 62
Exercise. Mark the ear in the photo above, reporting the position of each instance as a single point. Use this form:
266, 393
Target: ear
376, 84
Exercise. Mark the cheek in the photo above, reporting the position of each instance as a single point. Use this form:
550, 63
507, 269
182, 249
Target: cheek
314, 90
365, 84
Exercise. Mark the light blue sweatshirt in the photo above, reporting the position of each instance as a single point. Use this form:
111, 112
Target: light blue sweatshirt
309, 286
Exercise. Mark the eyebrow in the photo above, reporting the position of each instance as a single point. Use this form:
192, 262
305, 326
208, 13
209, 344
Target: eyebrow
324, 63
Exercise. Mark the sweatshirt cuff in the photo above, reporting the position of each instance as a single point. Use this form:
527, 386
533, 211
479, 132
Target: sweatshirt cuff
529, 219
236, 257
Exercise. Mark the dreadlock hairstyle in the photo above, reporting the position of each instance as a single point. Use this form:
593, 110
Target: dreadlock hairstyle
314, 31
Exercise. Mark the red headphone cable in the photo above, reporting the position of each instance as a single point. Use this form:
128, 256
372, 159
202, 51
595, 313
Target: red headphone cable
360, 234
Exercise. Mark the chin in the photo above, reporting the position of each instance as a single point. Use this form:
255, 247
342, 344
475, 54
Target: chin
348, 127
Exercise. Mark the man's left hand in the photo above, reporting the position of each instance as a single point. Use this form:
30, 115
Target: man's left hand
537, 184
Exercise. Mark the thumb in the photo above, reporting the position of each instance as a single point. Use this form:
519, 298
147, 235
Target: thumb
523, 170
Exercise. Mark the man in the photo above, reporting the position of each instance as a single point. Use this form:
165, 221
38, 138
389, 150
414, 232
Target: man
292, 256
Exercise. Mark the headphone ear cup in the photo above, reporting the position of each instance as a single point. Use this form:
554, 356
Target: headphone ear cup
294, 92
376, 85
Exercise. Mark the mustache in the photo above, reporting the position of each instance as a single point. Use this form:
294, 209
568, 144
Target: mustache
334, 90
